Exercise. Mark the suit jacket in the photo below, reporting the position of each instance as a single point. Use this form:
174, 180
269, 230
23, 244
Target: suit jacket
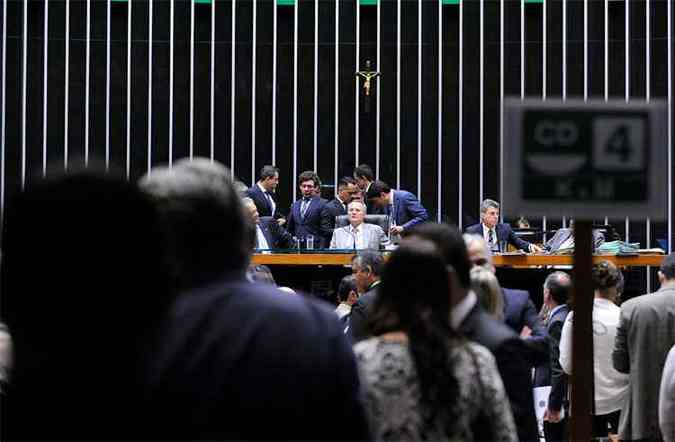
407, 211
556, 377
504, 233
261, 203
645, 334
332, 209
519, 311
238, 360
510, 353
374, 237
358, 318
276, 236
310, 224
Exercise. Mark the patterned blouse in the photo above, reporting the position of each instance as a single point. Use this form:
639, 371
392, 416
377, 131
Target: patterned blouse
392, 394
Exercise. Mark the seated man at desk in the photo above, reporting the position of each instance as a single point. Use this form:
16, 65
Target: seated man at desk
495, 233
358, 235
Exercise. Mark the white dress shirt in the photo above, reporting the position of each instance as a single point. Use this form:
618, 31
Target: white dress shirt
494, 245
261, 241
611, 386
357, 232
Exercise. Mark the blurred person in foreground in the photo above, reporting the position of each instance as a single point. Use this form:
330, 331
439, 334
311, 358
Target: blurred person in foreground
237, 360
644, 337
469, 318
667, 398
611, 387
422, 381
83, 287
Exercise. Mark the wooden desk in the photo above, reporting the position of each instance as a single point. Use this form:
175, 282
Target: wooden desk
336, 259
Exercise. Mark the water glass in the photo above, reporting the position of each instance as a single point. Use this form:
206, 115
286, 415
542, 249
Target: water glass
309, 242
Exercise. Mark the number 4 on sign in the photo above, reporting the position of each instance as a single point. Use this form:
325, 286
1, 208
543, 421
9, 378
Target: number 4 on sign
619, 144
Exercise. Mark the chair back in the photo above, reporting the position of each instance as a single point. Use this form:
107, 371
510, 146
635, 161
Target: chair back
379, 220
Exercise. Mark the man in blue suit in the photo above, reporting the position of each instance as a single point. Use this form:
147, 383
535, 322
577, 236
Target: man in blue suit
263, 193
305, 217
403, 208
495, 233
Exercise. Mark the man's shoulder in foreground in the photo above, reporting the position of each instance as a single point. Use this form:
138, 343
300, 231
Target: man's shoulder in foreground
474, 229
480, 327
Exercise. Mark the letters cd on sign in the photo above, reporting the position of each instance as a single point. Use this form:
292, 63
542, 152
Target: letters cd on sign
585, 159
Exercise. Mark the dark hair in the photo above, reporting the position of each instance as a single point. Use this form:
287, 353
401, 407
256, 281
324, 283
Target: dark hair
347, 285
345, 181
451, 245
308, 175
376, 189
83, 285
210, 234
364, 171
370, 259
605, 275
559, 285
268, 171
668, 266
424, 314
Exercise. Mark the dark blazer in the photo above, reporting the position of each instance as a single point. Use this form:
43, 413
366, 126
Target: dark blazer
332, 209
504, 233
246, 361
277, 237
510, 353
261, 203
358, 318
519, 311
558, 378
407, 211
309, 225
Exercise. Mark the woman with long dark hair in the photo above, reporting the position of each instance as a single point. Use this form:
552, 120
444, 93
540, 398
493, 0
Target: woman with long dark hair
422, 380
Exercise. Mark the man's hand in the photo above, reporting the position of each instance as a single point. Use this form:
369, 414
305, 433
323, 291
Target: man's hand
552, 416
536, 249
526, 332
281, 221
396, 230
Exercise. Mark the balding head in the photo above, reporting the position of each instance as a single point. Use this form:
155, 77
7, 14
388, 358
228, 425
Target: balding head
478, 251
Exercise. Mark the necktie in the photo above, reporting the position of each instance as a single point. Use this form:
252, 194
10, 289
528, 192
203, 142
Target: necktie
269, 202
355, 232
303, 207
491, 238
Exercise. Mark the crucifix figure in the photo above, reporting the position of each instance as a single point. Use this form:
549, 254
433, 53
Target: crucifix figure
367, 76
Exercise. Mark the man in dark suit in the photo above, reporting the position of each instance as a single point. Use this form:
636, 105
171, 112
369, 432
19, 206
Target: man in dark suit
338, 205
519, 311
403, 208
268, 233
263, 193
551, 373
237, 360
366, 268
305, 217
364, 177
477, 325
497, 234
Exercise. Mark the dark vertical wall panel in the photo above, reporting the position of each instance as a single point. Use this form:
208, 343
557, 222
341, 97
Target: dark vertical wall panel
284, 146
202, 80
326, 93
386, 89
471, 111
491, 100
263, 127
450, 166
305, 85
346, 154
428, 193
409, 112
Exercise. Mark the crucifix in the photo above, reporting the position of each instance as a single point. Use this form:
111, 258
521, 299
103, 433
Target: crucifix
367, 76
